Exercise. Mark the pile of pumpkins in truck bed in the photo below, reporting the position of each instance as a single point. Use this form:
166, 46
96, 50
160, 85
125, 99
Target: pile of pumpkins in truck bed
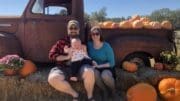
137, 22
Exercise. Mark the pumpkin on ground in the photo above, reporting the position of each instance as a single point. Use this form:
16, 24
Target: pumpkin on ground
125, 25
129, 66
141, 92
166, 25
137, 24
169, 89
155, 25
28, 68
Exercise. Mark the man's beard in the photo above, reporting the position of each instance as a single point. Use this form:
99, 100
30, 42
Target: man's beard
74, 36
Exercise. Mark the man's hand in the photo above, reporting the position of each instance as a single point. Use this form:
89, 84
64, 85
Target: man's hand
66, 49
64, 57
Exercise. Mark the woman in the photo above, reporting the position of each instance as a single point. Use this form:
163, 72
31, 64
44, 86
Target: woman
101, 52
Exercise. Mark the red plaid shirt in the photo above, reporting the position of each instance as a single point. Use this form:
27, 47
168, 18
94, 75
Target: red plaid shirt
58, 49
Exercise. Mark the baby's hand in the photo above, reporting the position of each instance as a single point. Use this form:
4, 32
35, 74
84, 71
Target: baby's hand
73, 78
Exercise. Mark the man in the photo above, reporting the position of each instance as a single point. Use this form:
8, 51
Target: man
59, 74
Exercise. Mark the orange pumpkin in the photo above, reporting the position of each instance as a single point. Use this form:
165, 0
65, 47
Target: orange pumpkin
134, 18
107, 24
145, 19
137, 24
100, 24
141, 92
125, 25
155, 25
28, 68
114, 25
129, 66
147, 25
169, 89
166, 25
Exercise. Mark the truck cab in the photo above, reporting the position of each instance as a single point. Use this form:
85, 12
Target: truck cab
44, 22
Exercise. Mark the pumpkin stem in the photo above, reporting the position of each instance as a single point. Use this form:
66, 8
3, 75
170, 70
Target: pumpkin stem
171, 90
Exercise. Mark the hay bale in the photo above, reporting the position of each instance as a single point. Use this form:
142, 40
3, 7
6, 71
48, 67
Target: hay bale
36, 88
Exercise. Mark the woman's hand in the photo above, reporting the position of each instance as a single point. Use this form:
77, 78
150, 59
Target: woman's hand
95, 65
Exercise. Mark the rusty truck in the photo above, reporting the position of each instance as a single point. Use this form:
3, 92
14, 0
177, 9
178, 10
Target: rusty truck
32, 34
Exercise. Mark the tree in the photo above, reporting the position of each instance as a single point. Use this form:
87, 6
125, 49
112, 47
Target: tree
99, 15
116, 19
166, 14
86, 17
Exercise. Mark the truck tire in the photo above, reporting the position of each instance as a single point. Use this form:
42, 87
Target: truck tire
141, 58
9, 44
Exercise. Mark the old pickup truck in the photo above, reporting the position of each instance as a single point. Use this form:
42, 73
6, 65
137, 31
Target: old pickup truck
32, 34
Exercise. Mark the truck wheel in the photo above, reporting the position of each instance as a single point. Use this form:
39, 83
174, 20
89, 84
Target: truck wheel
141, 59
9, 44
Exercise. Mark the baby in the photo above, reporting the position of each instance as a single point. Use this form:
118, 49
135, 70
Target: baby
79, 57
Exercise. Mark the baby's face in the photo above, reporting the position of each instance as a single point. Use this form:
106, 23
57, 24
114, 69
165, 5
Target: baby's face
76, 44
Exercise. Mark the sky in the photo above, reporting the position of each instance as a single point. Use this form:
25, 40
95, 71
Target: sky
115, 8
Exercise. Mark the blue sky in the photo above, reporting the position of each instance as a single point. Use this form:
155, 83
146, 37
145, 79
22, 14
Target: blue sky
115, 8
118, 8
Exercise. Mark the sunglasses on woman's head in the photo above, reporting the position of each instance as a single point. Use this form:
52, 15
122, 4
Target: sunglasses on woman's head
93, 34
73, 28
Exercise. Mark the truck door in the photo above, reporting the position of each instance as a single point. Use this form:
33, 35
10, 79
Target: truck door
45, 24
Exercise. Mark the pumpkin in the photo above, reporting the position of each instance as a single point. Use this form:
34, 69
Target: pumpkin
147, 25
145, 19
28, 68
100, 24
129, 66
114, 25
169, 88
155, 25
125, 25
141, 92
158, 66
107, 24
137, 24
134, 18
166, 25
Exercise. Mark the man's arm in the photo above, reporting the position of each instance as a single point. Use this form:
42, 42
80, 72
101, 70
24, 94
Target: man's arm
63, 57
57, 52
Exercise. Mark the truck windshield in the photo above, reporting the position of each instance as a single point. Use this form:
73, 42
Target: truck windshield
52, 7
12, 7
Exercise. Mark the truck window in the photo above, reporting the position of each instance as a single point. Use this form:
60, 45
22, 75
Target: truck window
52, 7
38, 7
56, 10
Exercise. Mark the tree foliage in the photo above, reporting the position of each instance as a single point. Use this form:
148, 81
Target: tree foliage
157, 15
99, 15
